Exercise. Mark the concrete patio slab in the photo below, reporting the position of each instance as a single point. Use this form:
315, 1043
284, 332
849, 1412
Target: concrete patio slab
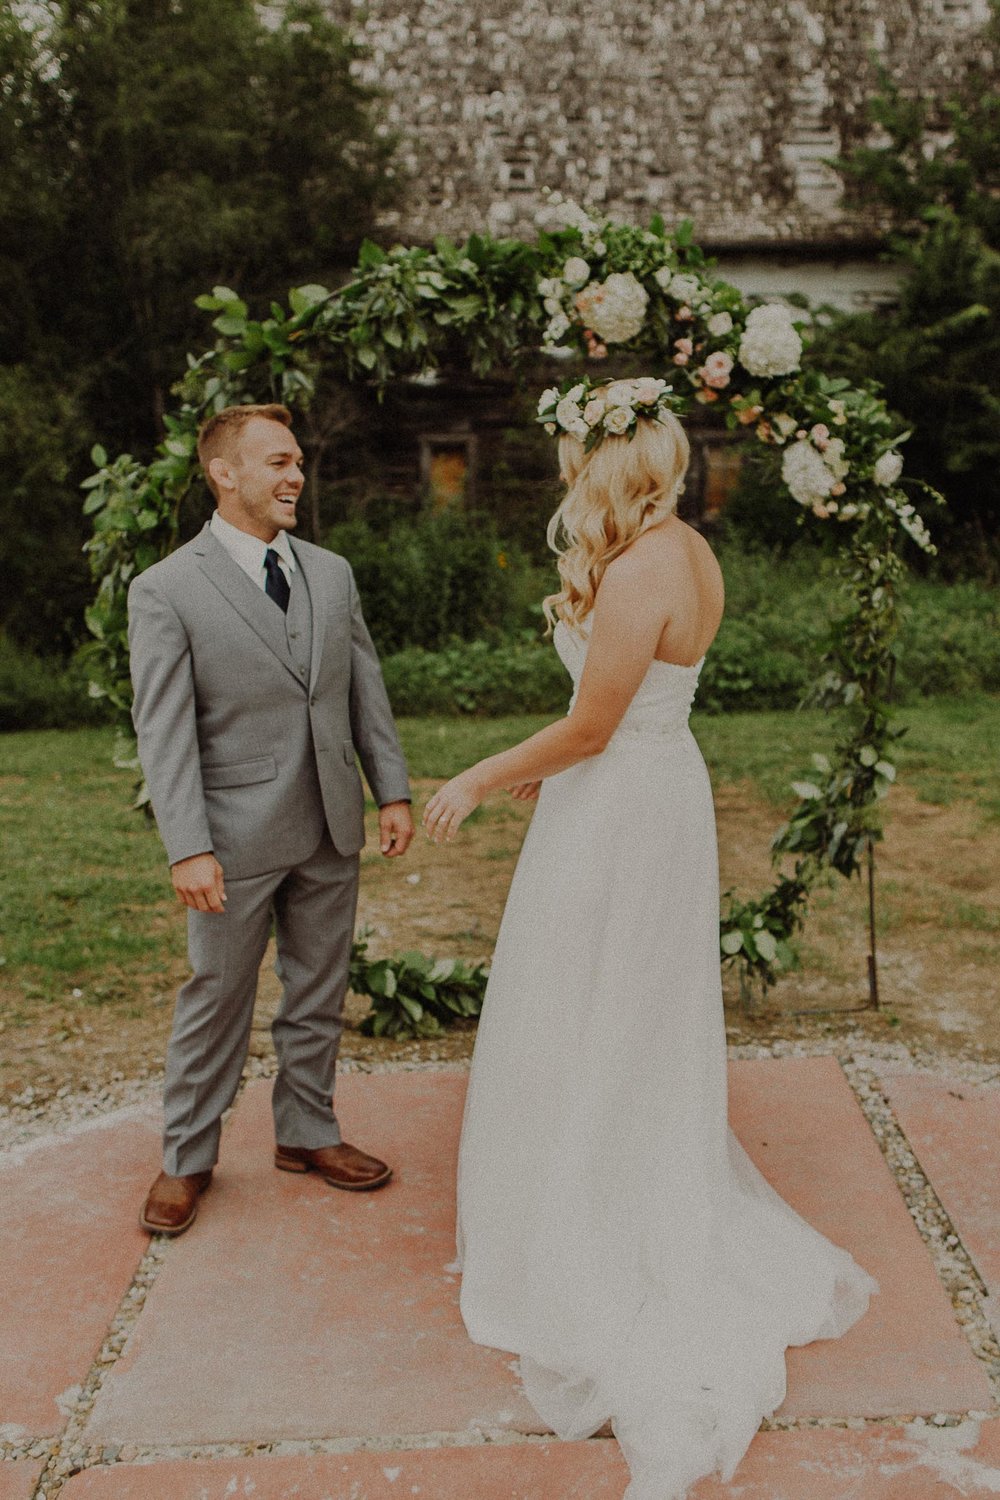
292, 1310
18, 1478
69, 1245
802, 1125
954, 1129
879, 1463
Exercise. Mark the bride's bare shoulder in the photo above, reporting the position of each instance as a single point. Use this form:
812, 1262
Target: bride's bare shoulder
673, 543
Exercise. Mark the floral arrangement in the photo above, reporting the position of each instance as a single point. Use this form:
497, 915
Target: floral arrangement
583, 288
605, 285
592, 410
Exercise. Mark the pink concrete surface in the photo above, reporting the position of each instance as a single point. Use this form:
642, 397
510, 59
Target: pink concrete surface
18, 1478
802, 1125
69, 1245
880, 1463
293, 1310
954, 1129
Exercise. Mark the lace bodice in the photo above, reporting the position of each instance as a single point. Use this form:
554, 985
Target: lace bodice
662, 701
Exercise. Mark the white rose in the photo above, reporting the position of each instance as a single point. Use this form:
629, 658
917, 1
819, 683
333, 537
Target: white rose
599, 247
686, 288
552, 306
618, 419
770, 344
719, 324
888, 469
833, 457
785, 424
579, 429
550, 286
567, 413
593, 411
547, 398
648, 391
808, 479
576, 271
557, 327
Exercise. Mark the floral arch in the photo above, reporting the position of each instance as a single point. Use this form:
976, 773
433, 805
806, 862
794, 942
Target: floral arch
580, 290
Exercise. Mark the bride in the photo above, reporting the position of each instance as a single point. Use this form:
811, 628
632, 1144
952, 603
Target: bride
612, 1231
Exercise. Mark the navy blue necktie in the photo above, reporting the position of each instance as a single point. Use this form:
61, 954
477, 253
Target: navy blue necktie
276, 587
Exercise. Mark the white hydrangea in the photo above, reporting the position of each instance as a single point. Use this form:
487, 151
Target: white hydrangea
576, 272
614, 309
808, 479
770, 344
888, 469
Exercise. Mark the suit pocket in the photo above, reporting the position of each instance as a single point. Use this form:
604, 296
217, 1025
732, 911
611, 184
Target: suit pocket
349, 753
240, 773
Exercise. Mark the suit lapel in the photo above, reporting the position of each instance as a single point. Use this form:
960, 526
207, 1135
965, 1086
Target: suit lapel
250, 603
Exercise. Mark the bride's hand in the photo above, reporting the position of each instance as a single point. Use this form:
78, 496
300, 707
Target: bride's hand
525, 791
449, 807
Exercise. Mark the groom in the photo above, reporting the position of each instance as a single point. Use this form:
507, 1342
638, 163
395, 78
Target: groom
256, 685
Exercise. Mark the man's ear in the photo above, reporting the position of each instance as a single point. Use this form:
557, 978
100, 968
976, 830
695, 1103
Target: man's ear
222, 473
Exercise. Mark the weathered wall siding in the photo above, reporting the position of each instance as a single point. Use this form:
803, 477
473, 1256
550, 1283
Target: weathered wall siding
722, 110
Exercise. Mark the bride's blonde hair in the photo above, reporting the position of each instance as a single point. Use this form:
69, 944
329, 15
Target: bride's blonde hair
613, 494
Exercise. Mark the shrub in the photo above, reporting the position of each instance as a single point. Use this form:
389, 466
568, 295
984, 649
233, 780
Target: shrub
475, 677
43, 692
429, 579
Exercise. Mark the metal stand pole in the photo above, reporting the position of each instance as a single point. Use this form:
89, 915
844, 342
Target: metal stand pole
872, 960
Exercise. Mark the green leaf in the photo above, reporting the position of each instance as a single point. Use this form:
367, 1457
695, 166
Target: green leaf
301, 298
767, 946
867, 755
731, 942
98, 456
367, 358
887, 769
225, 294
230, 324
807, 790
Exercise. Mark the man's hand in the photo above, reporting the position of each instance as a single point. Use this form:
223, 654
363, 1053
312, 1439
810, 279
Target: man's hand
199, 884
395, 826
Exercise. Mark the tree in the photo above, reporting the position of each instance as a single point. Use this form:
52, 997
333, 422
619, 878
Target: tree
937, 353
153, 148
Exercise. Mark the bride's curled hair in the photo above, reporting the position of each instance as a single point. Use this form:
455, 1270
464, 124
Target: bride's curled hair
614, 493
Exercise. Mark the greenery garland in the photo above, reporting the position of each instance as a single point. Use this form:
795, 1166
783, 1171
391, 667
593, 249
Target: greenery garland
582, 288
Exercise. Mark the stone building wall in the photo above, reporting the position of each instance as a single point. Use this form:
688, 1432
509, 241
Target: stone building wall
721, 110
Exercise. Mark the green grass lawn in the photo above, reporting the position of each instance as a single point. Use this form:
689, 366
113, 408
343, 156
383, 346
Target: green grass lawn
83, 884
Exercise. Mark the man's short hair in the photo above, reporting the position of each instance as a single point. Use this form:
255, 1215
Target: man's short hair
219, 437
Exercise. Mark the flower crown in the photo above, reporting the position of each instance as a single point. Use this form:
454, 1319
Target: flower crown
592, 410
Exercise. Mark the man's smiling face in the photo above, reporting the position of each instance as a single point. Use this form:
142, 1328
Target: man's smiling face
259, 485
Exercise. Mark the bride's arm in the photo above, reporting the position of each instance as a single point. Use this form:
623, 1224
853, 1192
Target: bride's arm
628, 619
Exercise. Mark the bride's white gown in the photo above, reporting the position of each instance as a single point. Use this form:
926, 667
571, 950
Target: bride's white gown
612, 1231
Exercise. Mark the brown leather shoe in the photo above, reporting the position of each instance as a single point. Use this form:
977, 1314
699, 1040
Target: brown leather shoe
341, 1166
172, 1204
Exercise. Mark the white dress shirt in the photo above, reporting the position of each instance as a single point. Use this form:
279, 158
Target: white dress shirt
249, 551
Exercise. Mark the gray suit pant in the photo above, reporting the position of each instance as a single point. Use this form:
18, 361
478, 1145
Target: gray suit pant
313, 907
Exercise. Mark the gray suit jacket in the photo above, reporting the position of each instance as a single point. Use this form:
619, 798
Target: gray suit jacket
248, 750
